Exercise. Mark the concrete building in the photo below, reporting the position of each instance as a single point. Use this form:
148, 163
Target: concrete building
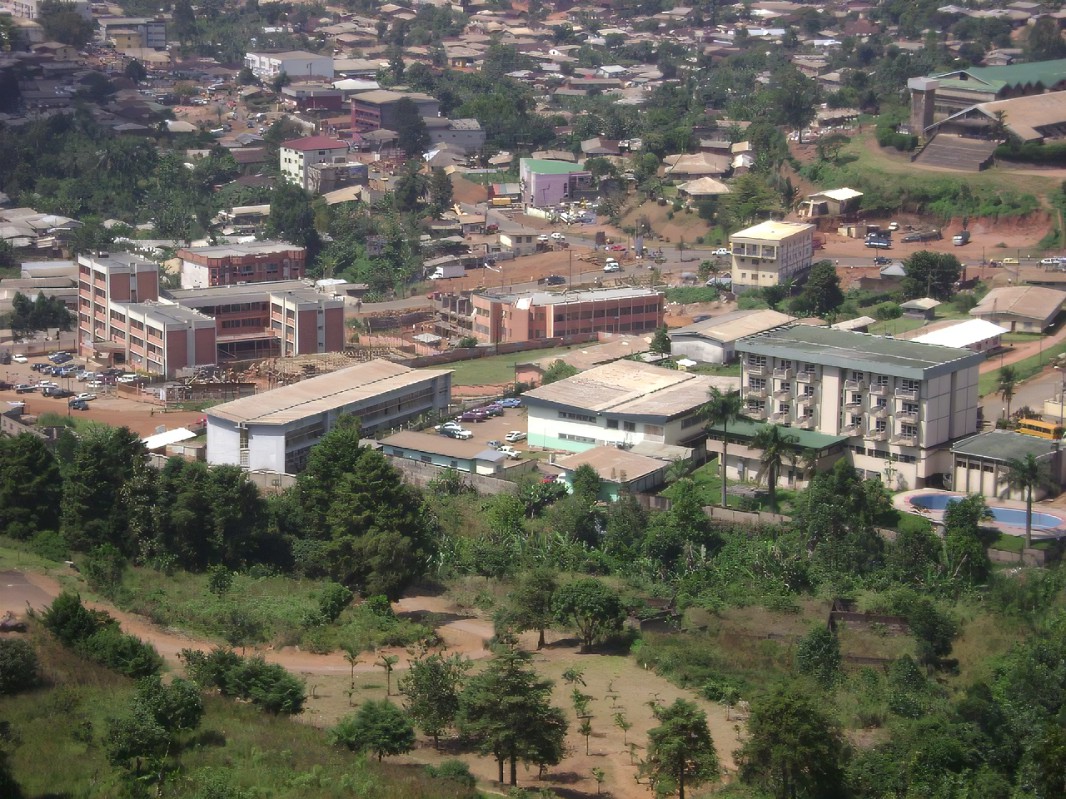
229, 264
621, 404
532, 372
744, 460
548, 183
714, 340
770, 253
498, 318
465, 134
133, 33
619, 470
376, 110
976, 335
274, 431
471, 456
299, 155
297, 64
31, 9
900, 404
980, 463
1021, 309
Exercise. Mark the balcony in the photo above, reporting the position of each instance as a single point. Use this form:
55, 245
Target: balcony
877, 435
879, 389
855, 385
879, 412
853, 407
853, 430
783, 393
906, 441
907, 393
755, 393
755, 368
806, 423
908, 416
783, 374
757, 414
805, 377
780, 417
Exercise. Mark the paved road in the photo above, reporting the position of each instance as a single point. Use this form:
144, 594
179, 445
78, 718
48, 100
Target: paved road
17, 592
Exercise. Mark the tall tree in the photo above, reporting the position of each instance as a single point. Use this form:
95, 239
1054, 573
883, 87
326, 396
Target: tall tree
557, 370
724, 409
441, 193
794, 748
292, 218
821, 294
378, 726
531, 602
680, 750
411, 131
30, 487
1028, 474
1006, 383
931, 274
660, 342
590, 606
776, 447
507, 711
432, 686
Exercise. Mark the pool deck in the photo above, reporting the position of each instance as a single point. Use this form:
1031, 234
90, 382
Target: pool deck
902, 502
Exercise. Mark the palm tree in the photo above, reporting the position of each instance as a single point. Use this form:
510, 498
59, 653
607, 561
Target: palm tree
777, 448
1006, 382
723, 409
1026, 474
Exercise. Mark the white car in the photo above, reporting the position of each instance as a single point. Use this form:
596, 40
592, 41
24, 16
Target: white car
127, 378
510, 452
722, 251
47, 384
514, 436
893, 225
611, 265
84, 397
20, 358
543, 238
448, 426
558, 236
1050, 261
462, 435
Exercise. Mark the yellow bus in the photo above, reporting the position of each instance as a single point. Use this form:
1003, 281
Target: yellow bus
1040, 428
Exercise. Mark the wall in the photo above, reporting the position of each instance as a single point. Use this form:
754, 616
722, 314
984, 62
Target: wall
422, 474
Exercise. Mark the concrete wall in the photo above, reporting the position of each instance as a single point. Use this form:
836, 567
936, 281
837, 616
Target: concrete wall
422, 474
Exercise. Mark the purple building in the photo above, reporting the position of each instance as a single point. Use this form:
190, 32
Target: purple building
547, 183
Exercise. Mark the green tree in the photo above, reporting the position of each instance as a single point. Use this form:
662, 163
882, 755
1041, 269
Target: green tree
1044, 41
1027, 474
432, 686
333, 600
531, 603
660, 342
134, 738
135, 71
586, 484
933, 631
965, 542
1006, 383
388, 662
441, 194
775, 448
931, 274
18, 666
794, 748
411, 131
557, 370
591, 607
378, 726
506, 710
821, 294
30, 487
680, 750
818, 656
62, 23
176, 706
292, 218
723, 408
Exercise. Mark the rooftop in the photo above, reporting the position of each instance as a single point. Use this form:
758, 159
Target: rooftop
613, 464
236, 293
315, 143
1003, 445
167, 314
745, 429
962, 334
529, 299
1046, 73
544, 167
594, 355
732, 326
388, 96
330, 392
862, 351
237, 250
442, 445
1030, 302
631, 388
771, 230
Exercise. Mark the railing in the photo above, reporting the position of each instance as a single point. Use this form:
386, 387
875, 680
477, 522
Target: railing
781, 416
907, 416
907, 441
877, 435
758, 414
855, 385
853, 406
755, 393
880, 412
906, 393
879, 389
755, 368
783, 374
806, 423
783, 393
805, 377
853, 430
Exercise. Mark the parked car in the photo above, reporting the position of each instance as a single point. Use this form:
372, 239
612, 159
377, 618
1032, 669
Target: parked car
922, 235
1049, 261
60, 357
722, 251
462, 435
448, 426
555, 280
513, 436
881, 260
47, 384
510, 452
558, 236
490, 410
893, 225
85, 396
24, 388
494, 444
611, 265
542, 238
18, 357
57, 393
510, 402
1009, 261
881, 244
78, 405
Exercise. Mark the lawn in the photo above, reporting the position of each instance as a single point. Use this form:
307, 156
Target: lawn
893, 327
1016, 543
724, 370
1024, 369
709, 486
495, 369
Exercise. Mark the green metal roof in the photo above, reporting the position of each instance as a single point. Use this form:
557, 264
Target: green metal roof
1047, 73
1004, 445
745, 430
860, 351
543, 167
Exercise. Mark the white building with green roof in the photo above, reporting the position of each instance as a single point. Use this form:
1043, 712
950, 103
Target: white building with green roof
900, 404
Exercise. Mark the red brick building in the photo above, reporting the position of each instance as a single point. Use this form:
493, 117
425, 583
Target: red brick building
232, 264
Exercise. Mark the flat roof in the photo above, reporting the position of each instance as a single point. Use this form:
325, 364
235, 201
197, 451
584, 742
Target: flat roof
167, 437
543, 166
593, 355
236, 293
434, 444
237, 250
806, 439
565, 297
315, 143
611, 463
861, 351
735, 325
631, 388
167, 314
771, 230
324, 393
1004, 445
962, 334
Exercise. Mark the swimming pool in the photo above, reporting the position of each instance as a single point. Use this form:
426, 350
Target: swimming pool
1011, 516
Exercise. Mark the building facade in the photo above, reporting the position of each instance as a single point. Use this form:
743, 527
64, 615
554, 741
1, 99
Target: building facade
299, 155
771, 253
274, 431
376, 110
466, 134
901, 404
132, 33
229, 264
547, 183
542, 314
297, 64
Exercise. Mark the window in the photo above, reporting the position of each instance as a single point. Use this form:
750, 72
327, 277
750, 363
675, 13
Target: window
908, 431
783, 408
786, 386
612, 424
910, 407
855, 420
909, 385
881, 426
577, 417
882, 402
881, 380
808, 391
654, 429
629, 427
857, 375
757, 383
784, 364
756, 360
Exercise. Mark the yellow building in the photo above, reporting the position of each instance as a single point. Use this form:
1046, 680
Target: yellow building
771, 253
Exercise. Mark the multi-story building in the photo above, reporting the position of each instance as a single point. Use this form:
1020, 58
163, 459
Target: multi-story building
299, 155
229, 264
133, 33
275, 430
376, 110
123, 318
297, 64
771, 253
901, 404
466, 134
526, 316
625, 404
31, 9
545, 183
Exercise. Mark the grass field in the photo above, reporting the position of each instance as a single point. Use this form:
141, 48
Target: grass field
1024, 369
495, 369
893, 327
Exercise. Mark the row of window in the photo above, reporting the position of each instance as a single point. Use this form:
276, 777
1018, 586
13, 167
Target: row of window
601, 313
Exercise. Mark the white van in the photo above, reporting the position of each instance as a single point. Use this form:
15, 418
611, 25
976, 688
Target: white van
961, 238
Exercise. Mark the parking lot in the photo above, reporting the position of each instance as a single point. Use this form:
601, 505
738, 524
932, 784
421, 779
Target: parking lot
496, 427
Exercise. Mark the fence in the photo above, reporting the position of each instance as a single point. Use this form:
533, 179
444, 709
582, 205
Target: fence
422, 474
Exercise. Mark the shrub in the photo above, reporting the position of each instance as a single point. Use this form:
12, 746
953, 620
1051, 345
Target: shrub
51, 545
334, 599
126, 654
454, 770
69, 621
264, 684
18, 666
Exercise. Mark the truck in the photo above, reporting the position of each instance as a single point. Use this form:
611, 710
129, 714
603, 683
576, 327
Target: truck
922, 235
446, 271
961, 238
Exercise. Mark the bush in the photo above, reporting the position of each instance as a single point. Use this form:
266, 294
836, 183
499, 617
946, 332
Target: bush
18, 666
264, 684
123, 653
334, 599
454, 770
51, 545
69, 621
